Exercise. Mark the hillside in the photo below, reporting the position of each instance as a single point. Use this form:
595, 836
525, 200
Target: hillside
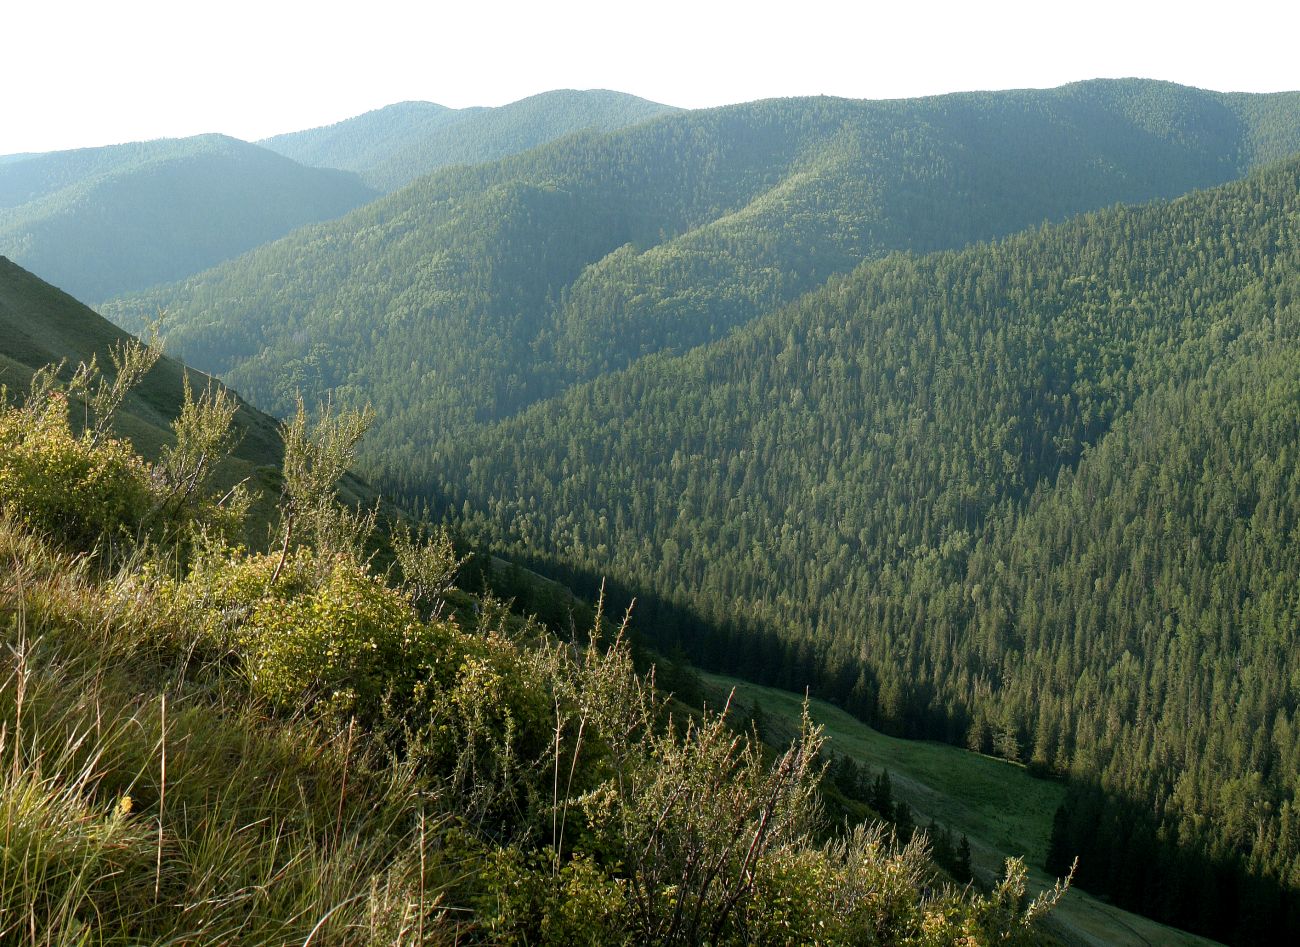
392, 146
205, 743
1036, 497
41, 325
102, 221
478, 291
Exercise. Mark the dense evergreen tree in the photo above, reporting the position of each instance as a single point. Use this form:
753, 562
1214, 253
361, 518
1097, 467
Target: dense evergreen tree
882, 796
961, 868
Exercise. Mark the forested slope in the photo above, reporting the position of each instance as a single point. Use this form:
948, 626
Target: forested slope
477, 291
1037, 496
102, 221
392, 146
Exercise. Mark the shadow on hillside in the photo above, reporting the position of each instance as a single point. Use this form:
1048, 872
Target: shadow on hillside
1159, 868
1137, 859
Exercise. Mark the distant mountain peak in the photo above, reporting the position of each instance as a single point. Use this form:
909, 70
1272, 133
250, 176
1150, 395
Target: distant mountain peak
391, 146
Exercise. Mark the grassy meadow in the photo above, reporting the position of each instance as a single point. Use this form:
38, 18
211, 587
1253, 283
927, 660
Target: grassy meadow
1002, 809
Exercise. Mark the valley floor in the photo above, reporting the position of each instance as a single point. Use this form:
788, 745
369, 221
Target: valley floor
1001, 808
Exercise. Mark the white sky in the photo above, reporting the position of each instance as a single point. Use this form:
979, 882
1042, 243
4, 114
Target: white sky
91, 72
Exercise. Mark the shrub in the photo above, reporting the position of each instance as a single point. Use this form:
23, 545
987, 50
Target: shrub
81, 493
489, 738
325, 635
529, 900
89, 492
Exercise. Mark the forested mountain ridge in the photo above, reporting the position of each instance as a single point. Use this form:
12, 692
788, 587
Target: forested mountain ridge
359, 143
477, 291
392, 146
1038, 497
102, 221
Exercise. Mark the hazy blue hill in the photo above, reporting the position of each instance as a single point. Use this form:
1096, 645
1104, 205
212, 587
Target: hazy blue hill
392, 146
21, 156
479, 290
101, 221
363, 142
37, 176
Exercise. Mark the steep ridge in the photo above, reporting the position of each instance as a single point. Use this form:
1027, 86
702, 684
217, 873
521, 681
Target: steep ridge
41, 325
102, 221
391, 147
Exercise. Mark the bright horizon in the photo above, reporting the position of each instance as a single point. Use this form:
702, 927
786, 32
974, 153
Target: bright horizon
80, 74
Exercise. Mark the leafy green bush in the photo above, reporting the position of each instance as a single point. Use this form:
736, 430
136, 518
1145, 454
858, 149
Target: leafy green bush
91, 492
529, 899
348, 642
68, 487
328, 635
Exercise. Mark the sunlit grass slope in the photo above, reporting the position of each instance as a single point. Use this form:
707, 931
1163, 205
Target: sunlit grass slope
41, 325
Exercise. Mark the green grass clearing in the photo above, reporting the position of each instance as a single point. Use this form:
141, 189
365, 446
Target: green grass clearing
998, 806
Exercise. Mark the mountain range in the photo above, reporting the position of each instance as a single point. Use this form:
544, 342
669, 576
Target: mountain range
479, 290
99, 222
973, 413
